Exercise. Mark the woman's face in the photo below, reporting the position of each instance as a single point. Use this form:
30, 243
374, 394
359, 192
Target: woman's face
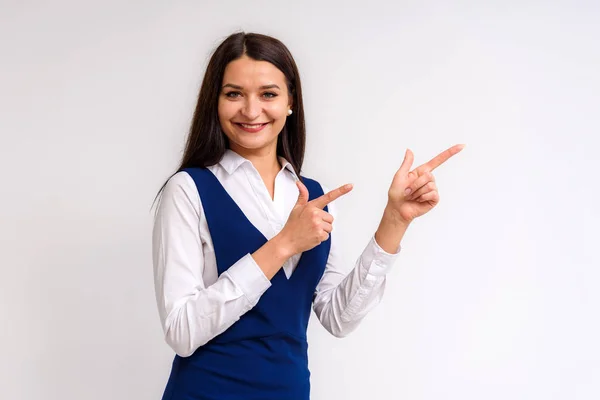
253, 105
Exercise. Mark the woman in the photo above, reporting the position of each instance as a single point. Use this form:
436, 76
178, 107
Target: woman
241, 243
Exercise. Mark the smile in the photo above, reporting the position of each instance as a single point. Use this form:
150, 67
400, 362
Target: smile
252, 127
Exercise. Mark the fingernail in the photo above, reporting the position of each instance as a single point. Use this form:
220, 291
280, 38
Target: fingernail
407, 191
348, 186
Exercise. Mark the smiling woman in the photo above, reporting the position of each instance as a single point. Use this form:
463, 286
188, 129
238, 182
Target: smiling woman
250, 79
242, 244
253, 108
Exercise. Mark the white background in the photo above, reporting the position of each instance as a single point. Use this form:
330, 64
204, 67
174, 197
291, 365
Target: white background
495, 295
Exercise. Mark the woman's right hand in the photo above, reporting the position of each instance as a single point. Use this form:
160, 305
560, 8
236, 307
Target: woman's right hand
308, 224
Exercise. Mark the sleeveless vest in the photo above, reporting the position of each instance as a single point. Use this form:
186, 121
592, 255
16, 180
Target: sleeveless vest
263, 355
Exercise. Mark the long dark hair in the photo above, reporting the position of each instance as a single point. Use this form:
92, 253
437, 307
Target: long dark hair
206, 142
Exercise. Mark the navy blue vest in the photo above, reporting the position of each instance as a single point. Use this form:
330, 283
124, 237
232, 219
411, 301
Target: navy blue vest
263, 355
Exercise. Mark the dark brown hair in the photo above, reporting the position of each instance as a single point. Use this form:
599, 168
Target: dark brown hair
206, 142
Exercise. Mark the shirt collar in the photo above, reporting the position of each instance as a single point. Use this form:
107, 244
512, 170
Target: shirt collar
232, 160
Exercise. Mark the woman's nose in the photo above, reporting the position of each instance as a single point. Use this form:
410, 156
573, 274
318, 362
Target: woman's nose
251, 108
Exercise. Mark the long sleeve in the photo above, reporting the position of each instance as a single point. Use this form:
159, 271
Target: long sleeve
343, 299
191, 312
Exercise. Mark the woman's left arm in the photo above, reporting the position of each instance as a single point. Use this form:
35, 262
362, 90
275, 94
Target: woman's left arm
342, 301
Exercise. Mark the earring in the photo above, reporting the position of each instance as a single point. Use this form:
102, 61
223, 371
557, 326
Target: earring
289, 112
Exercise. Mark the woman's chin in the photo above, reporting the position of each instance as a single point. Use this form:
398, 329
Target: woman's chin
245, 144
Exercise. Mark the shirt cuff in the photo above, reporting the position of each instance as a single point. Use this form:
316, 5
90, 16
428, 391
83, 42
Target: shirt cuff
247, 275
377, 261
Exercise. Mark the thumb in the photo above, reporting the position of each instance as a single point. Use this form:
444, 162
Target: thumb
407, 162
303, 196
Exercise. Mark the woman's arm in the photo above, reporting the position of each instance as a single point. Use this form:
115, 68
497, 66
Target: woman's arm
191, 312
343, 299
341, 302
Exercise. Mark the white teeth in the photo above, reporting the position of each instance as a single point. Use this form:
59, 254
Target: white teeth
251, 126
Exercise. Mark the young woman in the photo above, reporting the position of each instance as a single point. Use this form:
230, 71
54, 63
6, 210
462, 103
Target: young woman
242, 243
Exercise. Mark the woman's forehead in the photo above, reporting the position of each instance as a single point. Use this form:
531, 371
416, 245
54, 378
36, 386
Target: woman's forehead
249, 73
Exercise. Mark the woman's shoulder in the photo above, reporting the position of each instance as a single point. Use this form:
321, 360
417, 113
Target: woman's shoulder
179, 180
312, 183
180, 185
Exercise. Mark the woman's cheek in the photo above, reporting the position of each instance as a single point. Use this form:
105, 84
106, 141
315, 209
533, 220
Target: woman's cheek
226, 110
277, 110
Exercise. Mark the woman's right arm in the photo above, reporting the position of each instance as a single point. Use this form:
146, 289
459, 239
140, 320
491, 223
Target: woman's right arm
191, 312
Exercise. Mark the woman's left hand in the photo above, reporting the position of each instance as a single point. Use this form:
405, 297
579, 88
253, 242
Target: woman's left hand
420, 184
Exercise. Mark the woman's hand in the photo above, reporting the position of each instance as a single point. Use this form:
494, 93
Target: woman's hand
414, 193
308, 224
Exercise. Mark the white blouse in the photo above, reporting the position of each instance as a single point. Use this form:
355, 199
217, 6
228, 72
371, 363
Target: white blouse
195, 304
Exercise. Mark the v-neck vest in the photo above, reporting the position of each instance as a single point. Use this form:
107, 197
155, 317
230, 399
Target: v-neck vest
263, 355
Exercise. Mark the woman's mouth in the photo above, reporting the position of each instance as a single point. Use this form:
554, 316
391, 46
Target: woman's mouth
251, 127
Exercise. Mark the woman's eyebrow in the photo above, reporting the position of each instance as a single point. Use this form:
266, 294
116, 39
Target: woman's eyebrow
231, 85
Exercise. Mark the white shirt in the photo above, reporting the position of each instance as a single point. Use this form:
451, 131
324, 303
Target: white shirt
195, 304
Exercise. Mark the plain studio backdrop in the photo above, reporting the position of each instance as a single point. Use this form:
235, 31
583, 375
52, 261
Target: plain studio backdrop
495, 294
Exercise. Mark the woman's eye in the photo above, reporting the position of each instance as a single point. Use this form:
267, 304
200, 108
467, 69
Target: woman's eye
268, 95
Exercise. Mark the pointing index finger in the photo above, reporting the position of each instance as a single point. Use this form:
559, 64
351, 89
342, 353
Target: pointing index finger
440, 159
322, 201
